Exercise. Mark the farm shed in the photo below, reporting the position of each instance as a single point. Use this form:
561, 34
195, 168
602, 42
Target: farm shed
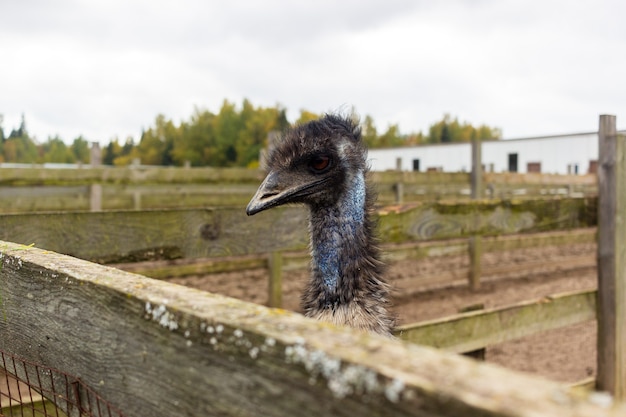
562, 154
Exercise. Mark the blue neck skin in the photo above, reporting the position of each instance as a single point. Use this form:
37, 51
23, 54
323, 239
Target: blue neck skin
337, 231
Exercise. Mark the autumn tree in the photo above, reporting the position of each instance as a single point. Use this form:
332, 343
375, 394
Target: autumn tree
369, 132
450, 130
55, 150
306, 116
81, 150
391, 137
157, 143
257, 124
2, 138
196, 139
234, 136
118, 154
19, 146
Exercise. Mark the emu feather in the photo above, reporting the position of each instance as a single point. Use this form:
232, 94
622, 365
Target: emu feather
323, 165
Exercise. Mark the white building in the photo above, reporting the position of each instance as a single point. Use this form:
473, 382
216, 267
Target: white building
562, 154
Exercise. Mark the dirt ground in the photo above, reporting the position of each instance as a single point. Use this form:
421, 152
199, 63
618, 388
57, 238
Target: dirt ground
566, 354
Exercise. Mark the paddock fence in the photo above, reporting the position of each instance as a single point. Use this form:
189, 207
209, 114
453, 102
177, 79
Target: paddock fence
37, 189
153, 348
148, 346
201, 238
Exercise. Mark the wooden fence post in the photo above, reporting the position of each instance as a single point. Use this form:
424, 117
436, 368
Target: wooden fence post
611, 259
475, 242
95, 197
476, 176
95, 155
398, 187
275, 298
475, 253
136, 200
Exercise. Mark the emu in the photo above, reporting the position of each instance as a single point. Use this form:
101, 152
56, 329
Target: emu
323, 164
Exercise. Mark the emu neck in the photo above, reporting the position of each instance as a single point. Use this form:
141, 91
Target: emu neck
338, 238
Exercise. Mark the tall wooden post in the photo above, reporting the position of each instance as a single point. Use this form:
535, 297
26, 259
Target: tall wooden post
95, 155
611, 259
275, 296
95, 197
476, 177
475, 253
476, 242
398, 187
136, 200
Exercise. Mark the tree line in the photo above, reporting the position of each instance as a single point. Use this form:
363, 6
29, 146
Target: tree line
234, 136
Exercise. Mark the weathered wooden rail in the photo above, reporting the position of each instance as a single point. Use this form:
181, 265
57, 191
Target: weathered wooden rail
462, 333
153, 348
250, 360
474, 330
121, 236
192, 234
278, 263
39, 189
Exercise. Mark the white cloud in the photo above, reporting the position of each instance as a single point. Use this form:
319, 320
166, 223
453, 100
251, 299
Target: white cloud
107, 68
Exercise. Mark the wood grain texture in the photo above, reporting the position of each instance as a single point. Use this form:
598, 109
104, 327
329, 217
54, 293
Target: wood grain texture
19, 199
611, 259
138, 235
152, 348
391, 253
475, 246
474, 330
275, 287
126, 175
123, 236
126, 188
427, 221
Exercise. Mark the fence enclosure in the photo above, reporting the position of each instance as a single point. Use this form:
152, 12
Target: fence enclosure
153, 348
149, 347
119, 236
135, 188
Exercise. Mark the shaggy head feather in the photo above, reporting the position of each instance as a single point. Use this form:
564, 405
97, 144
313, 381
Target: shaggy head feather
323, 165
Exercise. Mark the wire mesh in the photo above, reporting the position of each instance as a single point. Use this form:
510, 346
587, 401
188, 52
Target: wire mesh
28, 389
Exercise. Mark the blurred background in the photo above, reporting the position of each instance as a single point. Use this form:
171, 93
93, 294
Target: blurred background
204, 81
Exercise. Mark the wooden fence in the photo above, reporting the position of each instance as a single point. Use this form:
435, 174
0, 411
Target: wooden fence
279, 263
153, 348
119, 236
250, 360
475, 330
39, 189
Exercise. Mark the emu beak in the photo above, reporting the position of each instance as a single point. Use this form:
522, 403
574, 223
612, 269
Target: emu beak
270, 194
282, 187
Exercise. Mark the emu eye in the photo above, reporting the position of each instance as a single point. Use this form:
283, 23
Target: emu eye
319, 163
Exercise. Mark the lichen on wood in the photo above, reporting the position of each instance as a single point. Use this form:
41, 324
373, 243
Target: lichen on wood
153, 348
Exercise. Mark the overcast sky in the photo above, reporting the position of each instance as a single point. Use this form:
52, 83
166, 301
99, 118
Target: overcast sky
103, 69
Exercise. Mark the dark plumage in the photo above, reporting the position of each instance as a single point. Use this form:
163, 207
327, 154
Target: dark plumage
323, 165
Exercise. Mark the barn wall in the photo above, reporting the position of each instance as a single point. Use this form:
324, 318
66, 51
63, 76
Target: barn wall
555, 153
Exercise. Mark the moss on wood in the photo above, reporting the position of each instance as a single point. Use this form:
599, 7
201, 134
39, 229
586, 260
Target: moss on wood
152, 348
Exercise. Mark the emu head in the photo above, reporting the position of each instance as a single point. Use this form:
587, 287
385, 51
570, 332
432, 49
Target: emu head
315, 164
